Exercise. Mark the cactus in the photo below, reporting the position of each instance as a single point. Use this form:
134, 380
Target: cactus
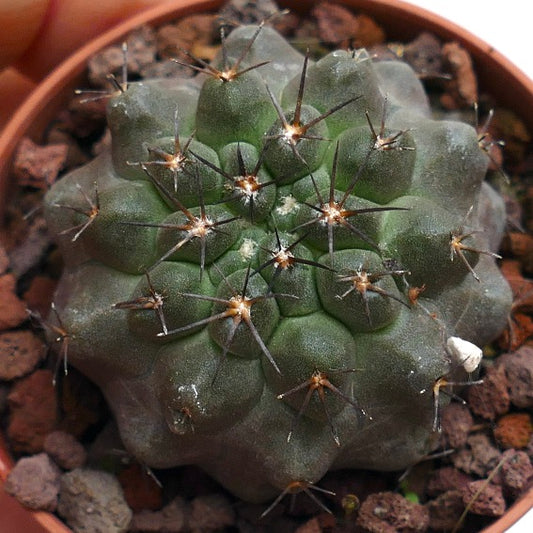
264, 272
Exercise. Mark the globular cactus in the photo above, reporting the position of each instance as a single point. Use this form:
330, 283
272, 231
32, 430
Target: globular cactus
265, 271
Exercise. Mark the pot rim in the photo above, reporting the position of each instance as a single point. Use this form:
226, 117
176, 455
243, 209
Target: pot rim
407, 19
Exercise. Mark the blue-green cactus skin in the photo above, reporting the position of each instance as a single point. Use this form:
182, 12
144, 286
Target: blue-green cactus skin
215, 315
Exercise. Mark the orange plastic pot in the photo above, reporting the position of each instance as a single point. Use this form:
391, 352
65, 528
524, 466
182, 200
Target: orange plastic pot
497, 76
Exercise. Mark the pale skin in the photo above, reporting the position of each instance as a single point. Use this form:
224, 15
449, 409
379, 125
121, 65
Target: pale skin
38, 34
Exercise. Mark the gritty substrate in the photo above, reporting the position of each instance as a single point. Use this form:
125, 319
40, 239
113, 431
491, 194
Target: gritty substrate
71, 459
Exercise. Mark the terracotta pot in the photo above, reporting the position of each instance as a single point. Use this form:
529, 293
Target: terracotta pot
496, 75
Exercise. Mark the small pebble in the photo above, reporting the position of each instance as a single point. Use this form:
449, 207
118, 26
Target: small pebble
92, 501
517, 471
33, 411
389, 512
85, 116
461, 90
38, 166
424, 55
519, 330
512, 130
513, 430
519, 371
445, 510
60, 135
80, 402
65, 450
519, 244
28, 254
20, 352
456, 423
34, 482
447, 479
529, 448
194, 30
40, 294
338, 25
311, 526
489, 501
210, 513
4, 260
12, 308
171, 519
246, 12
140, 489
165, 69
141, 50
479, 457
490, 399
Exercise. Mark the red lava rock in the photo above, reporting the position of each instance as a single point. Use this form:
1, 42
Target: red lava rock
512, 271
29, 252
38, 166
40, 294
246, 12
508, 127
516, 471
424, 54
92, 501
529, 448
211, 512
190, 31
80, 402
65, 450
489, 501
4, 260
59, 135
519, 330
519, 371
456, 423
519, 244
171, 519
337, 25
461, 91
141, 50
311, 526
85, 116
34, 481
12, 309
140, 489
513, 430
447, 479
33, 412
479, 457
491, 398
445, 510
389, 512
20, 351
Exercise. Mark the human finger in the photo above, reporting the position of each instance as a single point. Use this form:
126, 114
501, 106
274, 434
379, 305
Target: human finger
21, 20
68, 24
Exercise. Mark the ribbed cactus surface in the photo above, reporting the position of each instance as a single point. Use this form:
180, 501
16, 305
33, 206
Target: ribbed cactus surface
263, 272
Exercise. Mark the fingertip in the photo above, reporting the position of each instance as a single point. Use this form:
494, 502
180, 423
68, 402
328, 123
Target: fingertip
14, 88
74, 22
21, 21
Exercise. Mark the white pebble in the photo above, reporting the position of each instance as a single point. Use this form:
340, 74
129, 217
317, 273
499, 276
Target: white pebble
464, 353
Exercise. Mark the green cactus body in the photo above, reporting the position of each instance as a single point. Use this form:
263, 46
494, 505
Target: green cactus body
246, 287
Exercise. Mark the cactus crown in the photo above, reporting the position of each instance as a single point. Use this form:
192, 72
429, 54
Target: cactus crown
263, 271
